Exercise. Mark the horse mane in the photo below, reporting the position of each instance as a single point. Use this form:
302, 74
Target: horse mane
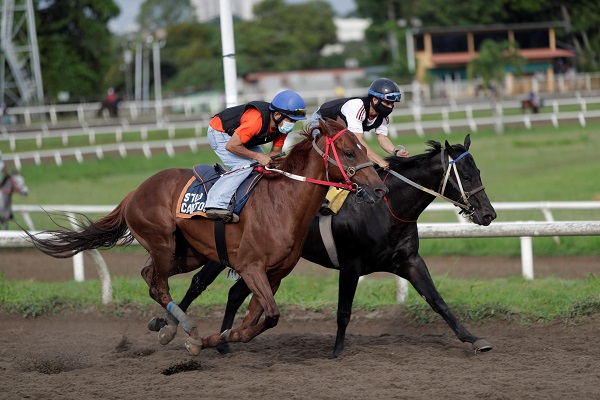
434, 148
295, 161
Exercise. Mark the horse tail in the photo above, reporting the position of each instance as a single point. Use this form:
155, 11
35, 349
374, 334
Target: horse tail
105, 233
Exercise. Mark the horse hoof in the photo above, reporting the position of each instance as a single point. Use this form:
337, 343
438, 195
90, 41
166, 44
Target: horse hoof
224, 349
193, 347
155, 324
166, 334
482, 345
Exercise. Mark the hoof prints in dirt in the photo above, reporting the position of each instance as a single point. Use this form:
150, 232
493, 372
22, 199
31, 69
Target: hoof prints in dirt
183, 367
125, 349
50, 365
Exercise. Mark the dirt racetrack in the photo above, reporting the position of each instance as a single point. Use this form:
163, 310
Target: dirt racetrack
96, 356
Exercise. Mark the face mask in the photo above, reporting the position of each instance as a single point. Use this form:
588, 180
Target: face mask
286, 127
382, 110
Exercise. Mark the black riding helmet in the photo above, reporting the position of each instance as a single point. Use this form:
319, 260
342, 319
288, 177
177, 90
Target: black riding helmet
385, 89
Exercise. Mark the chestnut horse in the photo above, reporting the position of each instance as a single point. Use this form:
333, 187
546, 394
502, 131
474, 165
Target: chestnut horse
382, 237
263, 247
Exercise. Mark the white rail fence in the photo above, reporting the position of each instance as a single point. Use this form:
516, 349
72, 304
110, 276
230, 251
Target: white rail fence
471, 121
524, 230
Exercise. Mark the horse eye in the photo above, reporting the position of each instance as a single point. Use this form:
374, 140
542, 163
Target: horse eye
466, 178
349, 154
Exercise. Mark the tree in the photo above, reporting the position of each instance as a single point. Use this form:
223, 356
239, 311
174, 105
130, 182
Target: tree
193, 53
284, 36
157, 14
74, 45
493, 58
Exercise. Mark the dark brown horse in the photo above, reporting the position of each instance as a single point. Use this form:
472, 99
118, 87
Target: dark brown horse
263, 248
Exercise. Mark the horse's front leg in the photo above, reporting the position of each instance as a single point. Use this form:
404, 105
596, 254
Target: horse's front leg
237, 294
263, 300
348, 282
418, 275
249, 328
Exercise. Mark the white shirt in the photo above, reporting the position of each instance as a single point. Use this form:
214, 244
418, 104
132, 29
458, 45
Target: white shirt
355, 113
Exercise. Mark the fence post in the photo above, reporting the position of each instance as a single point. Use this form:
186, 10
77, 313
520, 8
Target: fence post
401, 290
78, 271
527, 257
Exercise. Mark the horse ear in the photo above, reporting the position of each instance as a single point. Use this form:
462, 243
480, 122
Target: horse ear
467, 141
340, 121
448, 147
326, 125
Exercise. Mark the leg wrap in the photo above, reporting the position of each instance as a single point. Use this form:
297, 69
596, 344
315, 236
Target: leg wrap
171, 320
186, 322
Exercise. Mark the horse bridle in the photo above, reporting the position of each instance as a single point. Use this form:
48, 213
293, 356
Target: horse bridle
467, 208
347, 172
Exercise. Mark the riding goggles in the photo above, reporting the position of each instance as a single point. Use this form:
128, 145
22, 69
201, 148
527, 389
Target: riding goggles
298, 112
391, 96
387, 96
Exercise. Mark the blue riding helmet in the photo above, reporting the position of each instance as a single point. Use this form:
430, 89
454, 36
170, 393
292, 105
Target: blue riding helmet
289, 104
385, 89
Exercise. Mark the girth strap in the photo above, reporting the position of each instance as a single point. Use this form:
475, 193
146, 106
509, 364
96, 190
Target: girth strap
327, 237
220, 243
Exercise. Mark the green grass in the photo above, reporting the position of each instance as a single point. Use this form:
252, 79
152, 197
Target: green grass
510, 299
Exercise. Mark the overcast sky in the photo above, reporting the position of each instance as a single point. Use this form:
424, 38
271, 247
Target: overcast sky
125, 22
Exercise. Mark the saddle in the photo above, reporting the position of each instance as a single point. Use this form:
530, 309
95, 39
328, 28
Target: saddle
192, 199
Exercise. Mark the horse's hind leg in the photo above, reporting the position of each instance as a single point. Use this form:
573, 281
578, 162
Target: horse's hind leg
418, 275
200, 282
164, 263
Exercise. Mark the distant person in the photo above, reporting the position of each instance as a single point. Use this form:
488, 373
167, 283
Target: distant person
110, 103
363, 114
3, 170
532, 103
236, 133
533, 99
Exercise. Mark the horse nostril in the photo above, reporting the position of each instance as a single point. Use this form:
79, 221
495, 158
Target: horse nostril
381, 191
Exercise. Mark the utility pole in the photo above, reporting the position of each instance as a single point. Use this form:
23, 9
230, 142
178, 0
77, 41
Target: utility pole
228, 47
20, 72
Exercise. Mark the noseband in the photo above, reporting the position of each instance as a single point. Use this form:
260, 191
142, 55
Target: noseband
467, 208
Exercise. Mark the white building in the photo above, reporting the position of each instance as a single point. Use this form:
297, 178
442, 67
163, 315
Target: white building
351, 29
207, 10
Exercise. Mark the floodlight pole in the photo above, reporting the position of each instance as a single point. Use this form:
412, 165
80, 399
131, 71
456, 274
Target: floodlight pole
228, 45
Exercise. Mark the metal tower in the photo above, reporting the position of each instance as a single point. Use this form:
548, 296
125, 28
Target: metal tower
20, 73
